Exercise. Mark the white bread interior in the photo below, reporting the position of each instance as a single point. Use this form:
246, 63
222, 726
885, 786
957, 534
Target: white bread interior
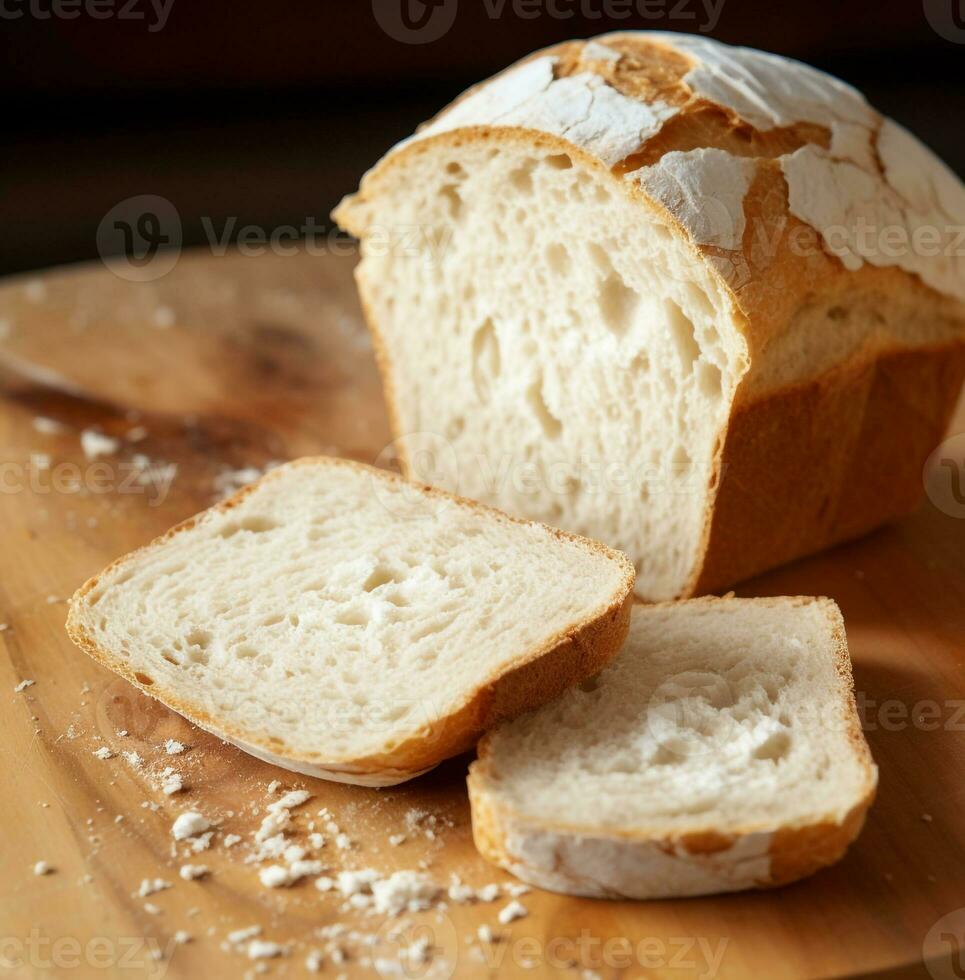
335, 620
721, 750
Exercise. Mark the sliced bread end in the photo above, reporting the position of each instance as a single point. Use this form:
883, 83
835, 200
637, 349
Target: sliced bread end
602, 855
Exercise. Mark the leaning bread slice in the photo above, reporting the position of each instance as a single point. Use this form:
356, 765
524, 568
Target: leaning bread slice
338, 621
721, 750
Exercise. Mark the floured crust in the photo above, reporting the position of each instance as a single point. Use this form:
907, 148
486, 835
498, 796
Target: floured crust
537, 675
640, 862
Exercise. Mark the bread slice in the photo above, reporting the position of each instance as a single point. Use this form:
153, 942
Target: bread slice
721, 750
640, 285
335, 620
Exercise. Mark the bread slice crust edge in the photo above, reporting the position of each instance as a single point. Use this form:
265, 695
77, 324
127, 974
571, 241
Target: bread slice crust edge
535, 676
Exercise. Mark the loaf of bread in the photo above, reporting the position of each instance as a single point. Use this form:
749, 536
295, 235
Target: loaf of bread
699, 302
721, 750
339, 622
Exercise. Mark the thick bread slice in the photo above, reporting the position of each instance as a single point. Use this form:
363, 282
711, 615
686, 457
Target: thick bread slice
699, 302
341, 622
721, 750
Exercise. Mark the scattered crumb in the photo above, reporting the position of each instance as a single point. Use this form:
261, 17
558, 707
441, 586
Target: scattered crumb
42, 868
149, 886
515, 910
927, 817
49, 427
259, 949
231, 839
151, 908
486, 934
314, 961
97, 444
173, 747
137, 434
181, 937
190, 872
23, 685
103, 753
202, 842
133, 759
188, 824
396, 839
243, 935
171, 782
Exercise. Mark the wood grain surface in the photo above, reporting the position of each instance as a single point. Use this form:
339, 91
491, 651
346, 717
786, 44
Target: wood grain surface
234, 362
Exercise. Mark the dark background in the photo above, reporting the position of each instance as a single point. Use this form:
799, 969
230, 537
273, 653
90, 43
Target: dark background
269, 111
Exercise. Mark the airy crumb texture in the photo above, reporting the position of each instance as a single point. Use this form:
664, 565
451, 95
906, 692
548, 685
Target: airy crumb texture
725, 726
333, 613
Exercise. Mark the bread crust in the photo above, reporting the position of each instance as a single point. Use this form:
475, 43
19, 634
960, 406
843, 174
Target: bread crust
536, 676
783, 485
640, 863
825, 461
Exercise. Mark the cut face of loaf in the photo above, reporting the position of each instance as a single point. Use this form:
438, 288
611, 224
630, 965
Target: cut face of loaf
721, 750
605, 294
339, 622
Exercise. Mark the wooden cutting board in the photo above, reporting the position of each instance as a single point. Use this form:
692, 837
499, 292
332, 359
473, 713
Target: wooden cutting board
233, 362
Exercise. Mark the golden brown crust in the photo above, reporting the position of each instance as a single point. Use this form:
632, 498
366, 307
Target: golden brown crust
536, 676
793, 852
826, 461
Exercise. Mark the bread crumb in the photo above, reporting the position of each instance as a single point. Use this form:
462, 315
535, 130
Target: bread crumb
173, 747
314, 961
231, 839
42, 868
181, 937
515, 910
202, 842
274, 876
149, 886
243, 935
95, 444
191, 872
188, 824
133, 759
927, 817
263, 949
151, 908
49, 427
172, 784
396, 839
23, 685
